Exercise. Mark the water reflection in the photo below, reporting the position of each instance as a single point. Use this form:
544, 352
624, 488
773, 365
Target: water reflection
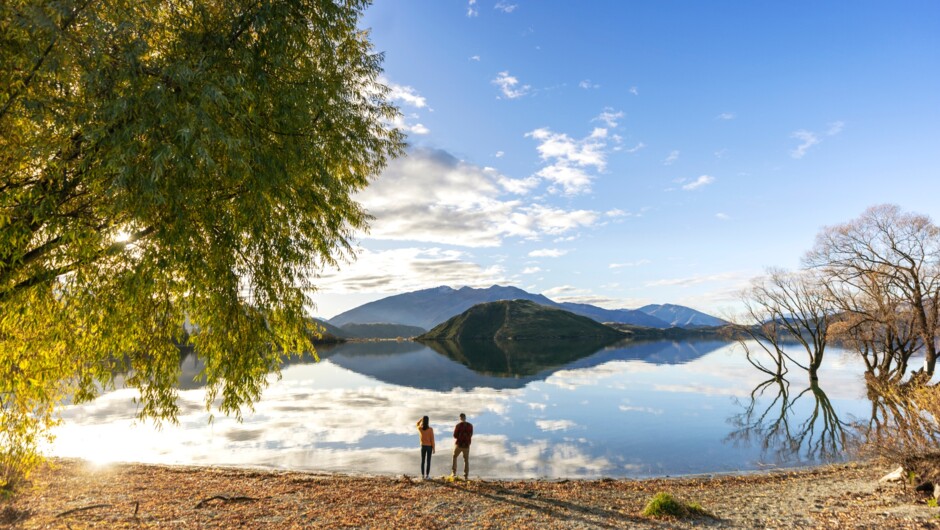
789, 429
904, 417
630, 409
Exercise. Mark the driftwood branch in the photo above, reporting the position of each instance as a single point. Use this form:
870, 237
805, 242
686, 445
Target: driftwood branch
224, 498
82, 509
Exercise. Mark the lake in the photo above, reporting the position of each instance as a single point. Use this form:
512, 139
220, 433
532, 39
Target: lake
659, 408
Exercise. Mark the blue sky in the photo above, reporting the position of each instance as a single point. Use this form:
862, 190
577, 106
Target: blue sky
625, 153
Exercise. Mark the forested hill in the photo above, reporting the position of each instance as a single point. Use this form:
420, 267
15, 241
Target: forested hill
519, 320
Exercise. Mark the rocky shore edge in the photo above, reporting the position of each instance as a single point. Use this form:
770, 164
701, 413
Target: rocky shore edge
76, 494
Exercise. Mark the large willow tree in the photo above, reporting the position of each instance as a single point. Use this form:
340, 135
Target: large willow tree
170, 165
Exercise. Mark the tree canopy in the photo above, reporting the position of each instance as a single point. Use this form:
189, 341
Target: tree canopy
166, 162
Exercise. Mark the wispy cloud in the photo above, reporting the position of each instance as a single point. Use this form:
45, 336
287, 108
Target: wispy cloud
703, 180
547, 253
587, 84
471, 10
835, 128
648, 410
510, 86
636, 148
616, 212
504, 7
807, 138
636, 263
609, 117
726, 116
635, 91
474, 58
695, 280
722, 216
499, 154
673, 156
531, 270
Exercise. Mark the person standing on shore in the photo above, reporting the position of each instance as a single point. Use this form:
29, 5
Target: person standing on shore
463, 432
427, 446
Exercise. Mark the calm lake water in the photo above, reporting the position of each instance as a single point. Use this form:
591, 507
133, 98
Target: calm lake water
637, 410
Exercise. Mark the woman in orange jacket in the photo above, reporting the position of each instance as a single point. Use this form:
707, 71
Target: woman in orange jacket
427, 446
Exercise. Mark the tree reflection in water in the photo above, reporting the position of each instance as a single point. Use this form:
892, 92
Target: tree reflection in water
787, 431
904, 418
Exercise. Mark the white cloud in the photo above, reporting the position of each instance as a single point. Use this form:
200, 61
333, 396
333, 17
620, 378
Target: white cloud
405, 94
518, 186
508, 85
726, 116
430, 196
616, 212
504, 7
555, 425
722, 216
609, 117
547, 253
408, 269
570, 159
648, 410
835, 128
531, 270
499, 154
629, 264
635, 91
808, 139
673, 156
636, 148
472, 11
697, 280
417, 128
703, 180
475, 58
587, 84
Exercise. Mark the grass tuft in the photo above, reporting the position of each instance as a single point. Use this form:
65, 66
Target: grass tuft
665, 505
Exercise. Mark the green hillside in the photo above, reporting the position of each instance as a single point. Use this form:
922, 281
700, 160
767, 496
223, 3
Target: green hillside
509, 320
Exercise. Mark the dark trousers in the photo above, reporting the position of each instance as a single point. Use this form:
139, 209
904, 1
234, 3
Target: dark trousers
426, 460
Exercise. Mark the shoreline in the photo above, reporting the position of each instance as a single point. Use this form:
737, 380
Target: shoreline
79, 494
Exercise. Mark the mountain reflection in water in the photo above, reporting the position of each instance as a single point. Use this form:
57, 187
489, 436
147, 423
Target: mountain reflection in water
539, 409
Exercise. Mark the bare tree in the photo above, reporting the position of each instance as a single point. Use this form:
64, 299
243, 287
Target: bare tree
876, 323
891, 255
786, 308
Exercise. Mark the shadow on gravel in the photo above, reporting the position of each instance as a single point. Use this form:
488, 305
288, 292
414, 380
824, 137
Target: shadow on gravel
547, 505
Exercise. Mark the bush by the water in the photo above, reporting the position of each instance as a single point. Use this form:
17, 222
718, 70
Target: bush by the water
665, 505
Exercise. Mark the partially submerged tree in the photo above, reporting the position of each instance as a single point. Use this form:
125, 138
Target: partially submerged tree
891, 259
875, 322
166, 161
785, 311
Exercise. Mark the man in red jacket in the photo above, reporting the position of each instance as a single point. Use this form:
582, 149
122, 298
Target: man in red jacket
462, 433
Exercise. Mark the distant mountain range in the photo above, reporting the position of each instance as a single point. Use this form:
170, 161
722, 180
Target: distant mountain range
681, 316
429, 307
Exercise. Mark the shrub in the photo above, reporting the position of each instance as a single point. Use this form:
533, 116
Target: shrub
665, 505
